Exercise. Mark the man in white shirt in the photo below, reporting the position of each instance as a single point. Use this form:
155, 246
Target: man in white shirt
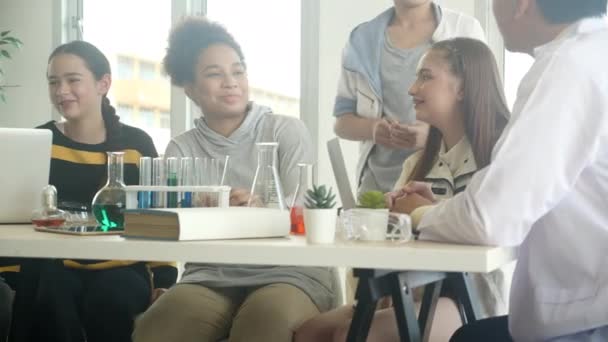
546, 189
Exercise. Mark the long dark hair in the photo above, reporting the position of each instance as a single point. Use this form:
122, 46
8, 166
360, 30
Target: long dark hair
99, 65
484, 105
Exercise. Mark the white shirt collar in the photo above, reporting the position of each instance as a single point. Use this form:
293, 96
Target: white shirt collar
582, 26
459, 158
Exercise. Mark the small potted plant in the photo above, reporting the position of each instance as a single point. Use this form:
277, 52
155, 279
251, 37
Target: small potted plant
320, 215
372, 200
371, 216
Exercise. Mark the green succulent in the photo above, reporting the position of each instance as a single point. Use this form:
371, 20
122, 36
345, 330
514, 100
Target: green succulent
372, 200
320, 198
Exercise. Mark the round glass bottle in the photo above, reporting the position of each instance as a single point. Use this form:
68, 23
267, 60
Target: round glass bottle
49, 215
109, 202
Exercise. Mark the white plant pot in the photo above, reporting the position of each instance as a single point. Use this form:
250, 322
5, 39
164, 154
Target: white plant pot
320, 225
371, 224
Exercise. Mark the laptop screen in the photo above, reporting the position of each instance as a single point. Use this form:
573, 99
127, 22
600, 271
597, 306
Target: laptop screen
26, 158
339, 167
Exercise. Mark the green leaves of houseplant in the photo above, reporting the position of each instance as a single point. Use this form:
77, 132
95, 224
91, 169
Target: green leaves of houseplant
7, 44
320, 198
372, 200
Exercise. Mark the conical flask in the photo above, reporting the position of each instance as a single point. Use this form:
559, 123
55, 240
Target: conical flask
266, 190
296, 211
109, 202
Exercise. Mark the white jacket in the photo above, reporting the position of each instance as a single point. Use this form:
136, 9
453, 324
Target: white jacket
359, 89
547, 189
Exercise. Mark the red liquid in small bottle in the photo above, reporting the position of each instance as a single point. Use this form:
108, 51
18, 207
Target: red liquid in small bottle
48, 222
297, 221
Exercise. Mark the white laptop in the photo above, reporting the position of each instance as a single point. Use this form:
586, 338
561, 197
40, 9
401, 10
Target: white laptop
339, 167
26, 158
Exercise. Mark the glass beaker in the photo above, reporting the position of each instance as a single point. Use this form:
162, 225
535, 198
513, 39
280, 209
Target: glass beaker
266, 190
296, 213
110, 201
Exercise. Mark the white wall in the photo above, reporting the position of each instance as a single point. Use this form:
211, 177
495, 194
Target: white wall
32, 22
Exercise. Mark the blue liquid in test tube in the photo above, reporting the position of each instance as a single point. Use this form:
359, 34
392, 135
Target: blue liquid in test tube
186, 178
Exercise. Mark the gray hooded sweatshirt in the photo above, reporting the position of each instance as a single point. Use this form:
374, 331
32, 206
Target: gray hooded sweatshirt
295, 146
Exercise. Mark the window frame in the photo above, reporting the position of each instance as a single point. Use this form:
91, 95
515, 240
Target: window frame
69, 27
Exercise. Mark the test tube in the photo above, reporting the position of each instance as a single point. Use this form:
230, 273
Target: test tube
223, 178
158, 179
214, 172
199, 167
186, 178
172, 167
144, 198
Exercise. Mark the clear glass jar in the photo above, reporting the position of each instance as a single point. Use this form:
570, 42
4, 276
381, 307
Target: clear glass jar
266, 190
79, 214
110, 201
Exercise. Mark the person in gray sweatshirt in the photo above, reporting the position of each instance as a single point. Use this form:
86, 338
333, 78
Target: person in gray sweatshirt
238, 302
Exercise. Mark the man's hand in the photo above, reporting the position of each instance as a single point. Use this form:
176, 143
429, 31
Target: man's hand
410, 202
408, 136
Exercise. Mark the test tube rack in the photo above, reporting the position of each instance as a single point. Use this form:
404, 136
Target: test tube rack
223, 192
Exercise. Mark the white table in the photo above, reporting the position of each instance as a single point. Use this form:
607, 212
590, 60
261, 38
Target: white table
421, 263
23, 241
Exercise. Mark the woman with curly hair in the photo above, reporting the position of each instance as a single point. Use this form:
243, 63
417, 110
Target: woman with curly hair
238, 302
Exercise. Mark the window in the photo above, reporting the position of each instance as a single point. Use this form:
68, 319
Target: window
516, 66
165, 120
269, 34
126, 114
147, 71
146, 117
126, 68
135, 51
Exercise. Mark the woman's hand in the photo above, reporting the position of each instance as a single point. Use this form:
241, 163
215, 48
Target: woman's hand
243, 198
381, 133
412, 136
410, 197
421, 188
203, 199
391, 197
156, 293
410, 202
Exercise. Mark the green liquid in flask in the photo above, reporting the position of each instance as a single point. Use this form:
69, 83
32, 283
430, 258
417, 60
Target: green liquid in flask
109, 216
